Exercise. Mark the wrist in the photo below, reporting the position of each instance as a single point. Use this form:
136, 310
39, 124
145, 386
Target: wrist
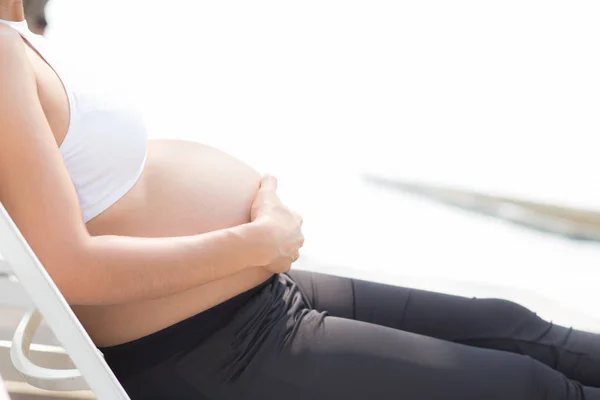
254, 239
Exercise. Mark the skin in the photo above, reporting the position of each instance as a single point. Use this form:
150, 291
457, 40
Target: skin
180, 241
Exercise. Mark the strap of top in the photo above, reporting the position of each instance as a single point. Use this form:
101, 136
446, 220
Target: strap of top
20, 26
35, 41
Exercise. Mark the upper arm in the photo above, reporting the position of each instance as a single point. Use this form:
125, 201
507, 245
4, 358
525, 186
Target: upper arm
35, 187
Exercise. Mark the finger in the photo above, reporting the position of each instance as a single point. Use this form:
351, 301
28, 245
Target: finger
268, 182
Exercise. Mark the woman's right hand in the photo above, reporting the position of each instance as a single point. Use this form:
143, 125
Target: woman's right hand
279, 226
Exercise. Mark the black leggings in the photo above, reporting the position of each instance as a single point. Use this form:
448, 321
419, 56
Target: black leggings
311, 336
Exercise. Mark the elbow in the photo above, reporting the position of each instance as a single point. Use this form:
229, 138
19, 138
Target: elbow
76, 291
73, 274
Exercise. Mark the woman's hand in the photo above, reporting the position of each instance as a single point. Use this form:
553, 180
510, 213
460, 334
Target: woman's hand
279, 226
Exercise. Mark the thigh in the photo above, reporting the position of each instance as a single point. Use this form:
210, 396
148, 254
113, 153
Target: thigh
324, 358
487, 323
336, 358
439, 315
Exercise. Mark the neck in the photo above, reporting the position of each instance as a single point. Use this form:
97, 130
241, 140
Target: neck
12, 10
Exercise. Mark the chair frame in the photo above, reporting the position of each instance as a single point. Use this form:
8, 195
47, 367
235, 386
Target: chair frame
52, 306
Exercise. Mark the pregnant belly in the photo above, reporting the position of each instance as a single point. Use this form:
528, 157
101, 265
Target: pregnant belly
186, 189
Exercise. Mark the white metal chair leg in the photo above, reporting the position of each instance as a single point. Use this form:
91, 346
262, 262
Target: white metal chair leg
43, 378
3, 392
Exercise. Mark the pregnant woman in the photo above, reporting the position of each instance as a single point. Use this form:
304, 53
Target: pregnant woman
175, 258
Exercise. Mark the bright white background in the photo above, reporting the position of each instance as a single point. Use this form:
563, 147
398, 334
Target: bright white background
496, 96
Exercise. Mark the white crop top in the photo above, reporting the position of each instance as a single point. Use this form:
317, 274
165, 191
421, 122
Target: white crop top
106, 143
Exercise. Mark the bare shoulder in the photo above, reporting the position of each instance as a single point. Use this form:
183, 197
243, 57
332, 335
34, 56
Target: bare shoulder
10, 40
15, 68
12, 51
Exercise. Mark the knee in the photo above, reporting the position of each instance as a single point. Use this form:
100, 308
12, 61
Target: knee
510, 311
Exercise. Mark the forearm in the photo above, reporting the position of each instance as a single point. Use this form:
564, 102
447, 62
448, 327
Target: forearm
117, 269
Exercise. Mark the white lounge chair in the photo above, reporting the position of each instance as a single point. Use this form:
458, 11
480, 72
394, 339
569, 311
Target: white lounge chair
92, 371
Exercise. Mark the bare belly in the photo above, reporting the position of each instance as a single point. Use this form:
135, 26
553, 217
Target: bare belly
186, 189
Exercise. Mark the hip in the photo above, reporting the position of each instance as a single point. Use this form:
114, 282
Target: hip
212, 350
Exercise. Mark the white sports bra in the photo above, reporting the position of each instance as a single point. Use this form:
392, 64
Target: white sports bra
106, 144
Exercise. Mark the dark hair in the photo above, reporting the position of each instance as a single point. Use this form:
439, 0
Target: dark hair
35, 12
